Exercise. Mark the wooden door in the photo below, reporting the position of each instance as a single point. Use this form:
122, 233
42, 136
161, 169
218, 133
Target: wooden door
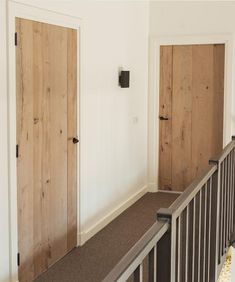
46, 72
191, 111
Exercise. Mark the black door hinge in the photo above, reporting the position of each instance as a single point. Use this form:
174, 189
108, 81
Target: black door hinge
17, 151
18, 259
15, 38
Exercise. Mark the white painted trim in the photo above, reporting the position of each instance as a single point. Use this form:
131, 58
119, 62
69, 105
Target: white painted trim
4, 191
152, 187
87, 234
170, 192
32, 13
154, 65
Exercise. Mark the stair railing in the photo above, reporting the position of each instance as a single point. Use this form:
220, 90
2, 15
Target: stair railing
190, 240
202, 222
152, 242
193, 230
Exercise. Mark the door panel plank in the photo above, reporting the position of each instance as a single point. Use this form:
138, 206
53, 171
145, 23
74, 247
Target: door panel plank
72, 131
57, 87
24, 102
46, 62
37, 145
165, 126
202, 117
182, 117
218, 98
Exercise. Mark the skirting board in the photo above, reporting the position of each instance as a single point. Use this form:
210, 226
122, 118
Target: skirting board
83, 237
152, 187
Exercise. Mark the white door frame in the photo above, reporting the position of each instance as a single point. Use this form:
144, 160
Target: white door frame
154, 66
37, 14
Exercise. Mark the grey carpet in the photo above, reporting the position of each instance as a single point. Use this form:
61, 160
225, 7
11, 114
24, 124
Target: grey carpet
94, 260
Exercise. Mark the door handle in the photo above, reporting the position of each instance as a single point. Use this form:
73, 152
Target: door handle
75, 140
163, 118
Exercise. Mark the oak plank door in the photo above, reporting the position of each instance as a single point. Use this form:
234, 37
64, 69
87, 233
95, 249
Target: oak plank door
191, 111
46, 104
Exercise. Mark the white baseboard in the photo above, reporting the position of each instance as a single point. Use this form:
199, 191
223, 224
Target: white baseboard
170, 191
152, 187
87, 234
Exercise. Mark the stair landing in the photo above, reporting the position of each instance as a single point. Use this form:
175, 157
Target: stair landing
95, 259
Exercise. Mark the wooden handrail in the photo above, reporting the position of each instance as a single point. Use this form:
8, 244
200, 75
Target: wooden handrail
220, 157
186, 197
128, 264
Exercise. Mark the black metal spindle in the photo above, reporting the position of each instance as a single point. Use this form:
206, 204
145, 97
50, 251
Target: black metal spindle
186, 244
233, 189
179, 250
199, 235
205, 232
138, 273
152, 271
191, 239
209, 231
222, 209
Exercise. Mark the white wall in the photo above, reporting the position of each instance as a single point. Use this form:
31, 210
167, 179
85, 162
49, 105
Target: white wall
190, 19
4, 207
113, 120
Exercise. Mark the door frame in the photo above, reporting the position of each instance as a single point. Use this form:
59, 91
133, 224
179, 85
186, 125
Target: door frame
50, 17
154, 92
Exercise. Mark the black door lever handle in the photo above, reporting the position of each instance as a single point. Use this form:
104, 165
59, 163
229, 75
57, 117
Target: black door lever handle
163, 118
75, 140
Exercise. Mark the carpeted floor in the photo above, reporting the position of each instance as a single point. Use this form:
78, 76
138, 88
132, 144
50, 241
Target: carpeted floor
93, 261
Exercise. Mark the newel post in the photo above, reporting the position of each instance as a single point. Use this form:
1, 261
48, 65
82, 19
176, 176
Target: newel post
232, 240
215, 221
166, 249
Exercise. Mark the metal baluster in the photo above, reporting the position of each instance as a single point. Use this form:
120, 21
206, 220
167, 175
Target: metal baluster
199, 236
205, 230
231, 195
179, 250
215, 224
193, 252
153, 265
230, 198
225, 205
228, 205
233, 183
186, 243
138, 273
209, 230
222, 209
173, 249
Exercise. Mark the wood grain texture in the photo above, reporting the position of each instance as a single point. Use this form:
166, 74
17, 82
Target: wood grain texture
46, 62
165, 127
72, 132
218, 96
196, 111
24, 101
181, 117
202, 118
